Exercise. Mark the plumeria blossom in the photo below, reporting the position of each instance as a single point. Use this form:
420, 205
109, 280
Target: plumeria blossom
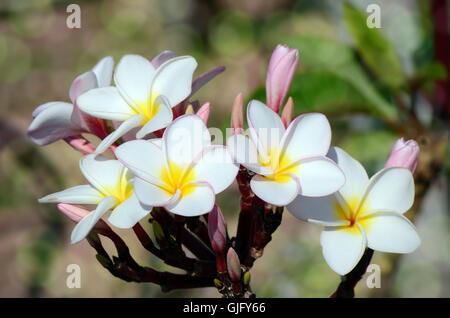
182, 171
287, 162
404, 154
143, 96
110, 188
60, 120
364, 212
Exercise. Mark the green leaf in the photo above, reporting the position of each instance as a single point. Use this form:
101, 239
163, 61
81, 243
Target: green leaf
431, 71
375, 49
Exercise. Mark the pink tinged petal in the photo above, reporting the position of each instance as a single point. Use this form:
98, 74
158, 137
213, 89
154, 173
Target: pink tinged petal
104, 71
204, 111
83, 228
243, 151
42, 107
133, 78
355, 174
309, 135
203, 79
81, 84
103, 173
132, 122
52, 123
391, 232
144, 158
319, 210
404, 154
162, 57
276, 193
153, 195
73, 212
237, 115
185, 138
280, 51
173, 79
342, 247
161, 120
215, 166
198, 201
80, 144
265, 125
217, 230
106, 103
279, 76
390, 189
319, 176
128, 213
82, 194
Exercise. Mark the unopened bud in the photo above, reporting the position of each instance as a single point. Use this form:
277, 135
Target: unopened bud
237, 115
404, 154
247, 278
74, 212
217, 230
233, 265
288, 112
204, 111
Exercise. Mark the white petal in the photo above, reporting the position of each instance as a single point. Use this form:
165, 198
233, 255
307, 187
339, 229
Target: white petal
128, 213
132, 122
198, 202
144, 159
390, 189
42, 107
276, 193
342, 248
83, 228
52, 122
161, 120
319, 176
265, 125
152, 195
173, 79
81, 84
356, 178
104, 174
390, 232
82, 194
216, 167
185, 138
321, 209
105, 102
103, 71
309, 135
133, 78
243, 151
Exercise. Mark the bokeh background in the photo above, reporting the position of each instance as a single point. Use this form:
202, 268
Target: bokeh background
354, 79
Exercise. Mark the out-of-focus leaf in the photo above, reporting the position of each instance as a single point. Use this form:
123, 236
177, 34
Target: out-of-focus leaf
375, 49
334, 57
431, 71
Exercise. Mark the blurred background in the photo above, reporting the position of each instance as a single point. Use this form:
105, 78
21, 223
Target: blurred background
371, 83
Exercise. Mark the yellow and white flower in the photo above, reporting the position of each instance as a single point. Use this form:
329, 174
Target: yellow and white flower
110, 188
182, 171
287, 162
143, 95
363, 213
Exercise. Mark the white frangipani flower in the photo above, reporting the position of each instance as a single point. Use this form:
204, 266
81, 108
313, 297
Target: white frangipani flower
143, 95
110, 188
182, 171
362, 213
287, 162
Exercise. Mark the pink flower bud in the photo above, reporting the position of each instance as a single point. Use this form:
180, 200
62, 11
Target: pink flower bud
237, 115
288, 112
234, 265
217, 230
81, 144
204, 111
73, 212
279, 75
404, 154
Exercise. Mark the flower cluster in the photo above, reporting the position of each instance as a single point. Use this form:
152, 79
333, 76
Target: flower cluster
163, 157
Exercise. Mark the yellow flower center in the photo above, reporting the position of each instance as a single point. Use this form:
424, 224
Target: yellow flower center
148, 109
177, 177
122, 190
280, 164
351, 212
